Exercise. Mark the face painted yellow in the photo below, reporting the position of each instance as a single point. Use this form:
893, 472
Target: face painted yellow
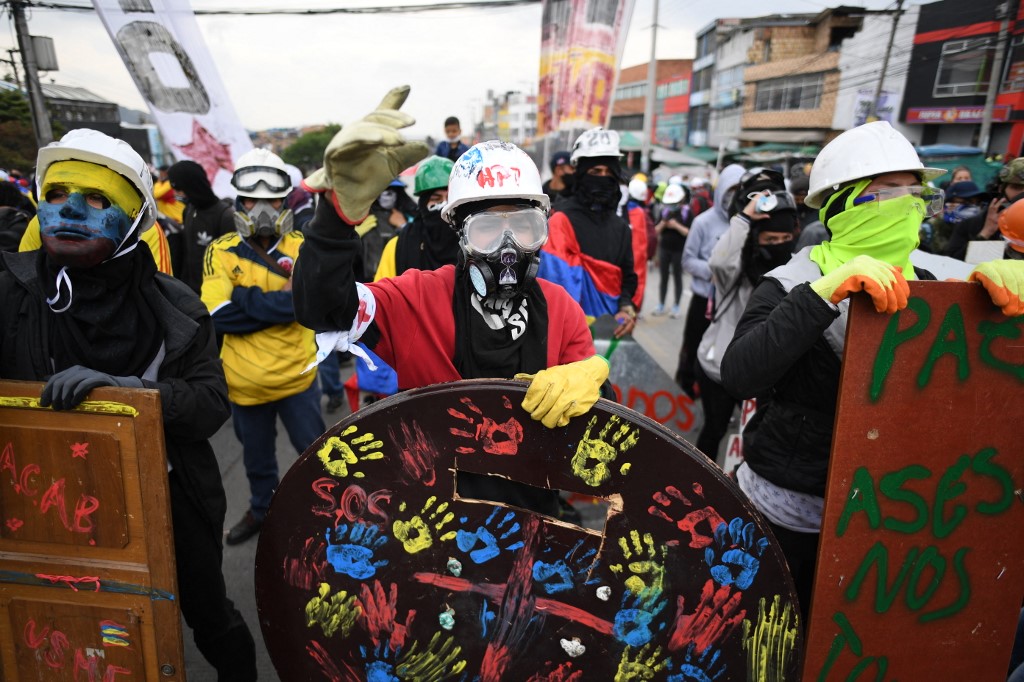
100, 186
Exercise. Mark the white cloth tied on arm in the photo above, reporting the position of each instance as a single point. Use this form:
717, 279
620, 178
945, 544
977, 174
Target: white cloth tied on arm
327, 342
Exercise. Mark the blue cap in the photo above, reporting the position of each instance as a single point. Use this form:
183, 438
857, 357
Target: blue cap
559, 158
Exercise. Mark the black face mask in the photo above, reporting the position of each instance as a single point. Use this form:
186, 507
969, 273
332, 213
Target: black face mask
765, 258
601, 193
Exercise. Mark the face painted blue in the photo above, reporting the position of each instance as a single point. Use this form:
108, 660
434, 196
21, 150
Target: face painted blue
79, 235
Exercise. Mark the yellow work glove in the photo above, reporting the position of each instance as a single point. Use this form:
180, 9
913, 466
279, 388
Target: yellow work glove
365, 156
1004, 282
559, 393
885, 284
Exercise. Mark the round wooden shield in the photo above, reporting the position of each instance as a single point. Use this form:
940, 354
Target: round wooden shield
371, 566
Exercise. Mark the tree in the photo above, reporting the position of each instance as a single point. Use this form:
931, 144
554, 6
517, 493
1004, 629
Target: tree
307, 152
17, 139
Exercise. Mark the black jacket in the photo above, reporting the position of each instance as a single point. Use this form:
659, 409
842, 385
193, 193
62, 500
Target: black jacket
780, 356
193, 393
200, 227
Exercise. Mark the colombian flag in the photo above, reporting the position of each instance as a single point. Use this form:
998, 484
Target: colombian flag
596, 284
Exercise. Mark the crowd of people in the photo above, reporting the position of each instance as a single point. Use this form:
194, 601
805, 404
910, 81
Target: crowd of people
234, 301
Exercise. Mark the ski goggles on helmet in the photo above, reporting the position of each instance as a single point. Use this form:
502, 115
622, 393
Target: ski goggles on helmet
485, 232
249, 178
933, 198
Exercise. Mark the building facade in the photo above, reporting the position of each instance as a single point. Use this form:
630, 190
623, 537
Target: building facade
792, 82
955, 49
671, 102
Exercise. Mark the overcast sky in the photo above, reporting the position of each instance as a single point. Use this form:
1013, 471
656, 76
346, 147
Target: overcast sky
295, 71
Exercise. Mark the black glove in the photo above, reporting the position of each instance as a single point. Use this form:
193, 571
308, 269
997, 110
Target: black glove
66, 389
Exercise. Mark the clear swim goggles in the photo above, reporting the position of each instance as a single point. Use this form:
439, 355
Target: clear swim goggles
933, 198
485, 232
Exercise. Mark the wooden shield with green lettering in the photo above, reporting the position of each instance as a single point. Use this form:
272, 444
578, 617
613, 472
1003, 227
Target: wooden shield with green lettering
920, 569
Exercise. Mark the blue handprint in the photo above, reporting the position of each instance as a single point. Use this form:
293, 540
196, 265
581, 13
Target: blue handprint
487, 538
563, 573
380, 669
634, 622
700, 668
738, 563
352, 555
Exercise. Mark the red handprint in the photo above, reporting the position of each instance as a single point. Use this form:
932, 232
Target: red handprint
715, 617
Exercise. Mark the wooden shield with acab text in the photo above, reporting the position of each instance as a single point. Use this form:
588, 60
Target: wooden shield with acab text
87, 580
371, 566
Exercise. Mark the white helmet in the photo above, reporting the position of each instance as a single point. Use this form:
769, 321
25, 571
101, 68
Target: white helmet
673, 194
638, 190
676, 180
863, 152
93, 146
595, 142
493, 170
261, 174
696, 182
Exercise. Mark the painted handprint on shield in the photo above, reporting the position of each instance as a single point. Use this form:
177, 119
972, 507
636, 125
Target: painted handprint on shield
415, 534
645, 562
351, 552
485, 543
640, 665
734, 557
338, 611
379, 663
673, 506
564, 574
417, 454
715, 617
339, 455
770, 642
698, 666
494, 438
635, 623
378, 615
594, 456
439, 660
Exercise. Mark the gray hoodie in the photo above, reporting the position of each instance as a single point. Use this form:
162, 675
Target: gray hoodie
706, 230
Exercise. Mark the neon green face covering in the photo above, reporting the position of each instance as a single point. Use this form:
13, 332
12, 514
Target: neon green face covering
887, 230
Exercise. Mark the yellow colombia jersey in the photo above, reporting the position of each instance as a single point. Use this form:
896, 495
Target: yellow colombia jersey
263, 365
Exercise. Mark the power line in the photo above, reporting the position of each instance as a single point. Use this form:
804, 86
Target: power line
397, 9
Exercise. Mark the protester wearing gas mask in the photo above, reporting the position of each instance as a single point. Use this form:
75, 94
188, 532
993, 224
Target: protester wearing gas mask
248, 290
760, 237
389, 214
427, 242
590, 250
489, 316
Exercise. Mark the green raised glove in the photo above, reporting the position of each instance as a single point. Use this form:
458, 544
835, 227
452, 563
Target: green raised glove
365, 156
562, 392
1004, 282
885, 284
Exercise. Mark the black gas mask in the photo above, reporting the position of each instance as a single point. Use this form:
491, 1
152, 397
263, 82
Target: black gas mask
500, 247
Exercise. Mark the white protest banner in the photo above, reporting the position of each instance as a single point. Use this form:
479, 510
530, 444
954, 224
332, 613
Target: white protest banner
160, 43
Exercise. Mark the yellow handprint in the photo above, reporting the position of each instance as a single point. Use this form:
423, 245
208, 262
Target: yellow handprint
639, 669
594, 456
644, 559
340, 612
415, 533
439, 660
338, 456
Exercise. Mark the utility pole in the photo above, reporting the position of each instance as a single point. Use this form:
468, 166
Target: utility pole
1004, 13
14, 67
873, 110
40, 117
652, 75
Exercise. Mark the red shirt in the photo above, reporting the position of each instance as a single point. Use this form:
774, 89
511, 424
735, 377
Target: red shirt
417, 326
